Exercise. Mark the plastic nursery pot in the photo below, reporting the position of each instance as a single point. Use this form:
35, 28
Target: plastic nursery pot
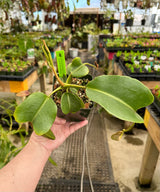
3, 72
129, 22
80, 115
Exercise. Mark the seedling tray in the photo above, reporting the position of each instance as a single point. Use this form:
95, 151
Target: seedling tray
156, 104
16, 77
140, 76
114, 49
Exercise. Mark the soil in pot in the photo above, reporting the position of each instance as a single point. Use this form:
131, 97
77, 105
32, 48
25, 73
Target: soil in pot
88, 105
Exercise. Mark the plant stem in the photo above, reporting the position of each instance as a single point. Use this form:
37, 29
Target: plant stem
74, 85
69, 79
11, 123
49, 58
129, 128
67, 86
59, 88
90, 65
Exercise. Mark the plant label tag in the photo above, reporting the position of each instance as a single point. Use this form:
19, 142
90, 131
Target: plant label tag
151, 58
61, 63
151, 63
143, 57
136, 62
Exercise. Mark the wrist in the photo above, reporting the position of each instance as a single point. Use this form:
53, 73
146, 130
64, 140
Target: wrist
37, 143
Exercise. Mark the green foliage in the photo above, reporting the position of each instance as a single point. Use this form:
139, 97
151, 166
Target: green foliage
91, 29
8, 148
70, 102
5, 4
121, 96
128, 14
7, 109
77, 69
25, 44
33, 109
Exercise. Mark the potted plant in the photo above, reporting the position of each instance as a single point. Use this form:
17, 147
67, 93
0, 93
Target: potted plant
129, 17
8, 147
120, 96
143, 21
156, 93
110, 1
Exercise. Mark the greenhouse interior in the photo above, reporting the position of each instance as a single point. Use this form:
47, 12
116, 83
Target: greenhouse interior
74, 72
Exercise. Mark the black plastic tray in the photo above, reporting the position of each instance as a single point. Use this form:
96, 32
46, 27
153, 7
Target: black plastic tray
16, 78
115, 49
139, 76
154, 112
156, 104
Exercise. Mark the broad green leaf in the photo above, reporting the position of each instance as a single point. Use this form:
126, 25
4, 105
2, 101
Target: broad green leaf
68, 68
77, 68
39, 109
73, 90
71, 103
120, 96
49, 135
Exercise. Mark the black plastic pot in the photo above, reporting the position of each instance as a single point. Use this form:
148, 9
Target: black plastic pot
80, 115
114, 21
129, 22
156, 104
143, 21
85, 45
109, 1
116, 58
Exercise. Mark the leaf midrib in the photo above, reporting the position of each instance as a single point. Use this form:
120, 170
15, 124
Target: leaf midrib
40, 108
115, 98
68, 102
77, 68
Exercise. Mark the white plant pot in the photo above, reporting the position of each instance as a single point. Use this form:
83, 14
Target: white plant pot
30, 54
80, 45
73, 52
92, 39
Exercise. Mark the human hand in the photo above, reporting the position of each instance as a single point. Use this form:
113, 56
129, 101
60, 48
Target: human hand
61, 129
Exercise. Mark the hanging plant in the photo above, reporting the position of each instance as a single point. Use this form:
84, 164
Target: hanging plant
46, 18
6, 15
125, 4
54, 19
110, 1
53, 3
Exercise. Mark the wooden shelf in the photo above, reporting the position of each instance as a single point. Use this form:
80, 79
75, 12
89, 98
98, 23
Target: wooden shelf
17, 86
152, 149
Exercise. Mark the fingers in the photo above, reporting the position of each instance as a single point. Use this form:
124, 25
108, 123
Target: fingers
75, 126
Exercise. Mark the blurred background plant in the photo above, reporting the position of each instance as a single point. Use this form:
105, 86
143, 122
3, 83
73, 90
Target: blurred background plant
12, 137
